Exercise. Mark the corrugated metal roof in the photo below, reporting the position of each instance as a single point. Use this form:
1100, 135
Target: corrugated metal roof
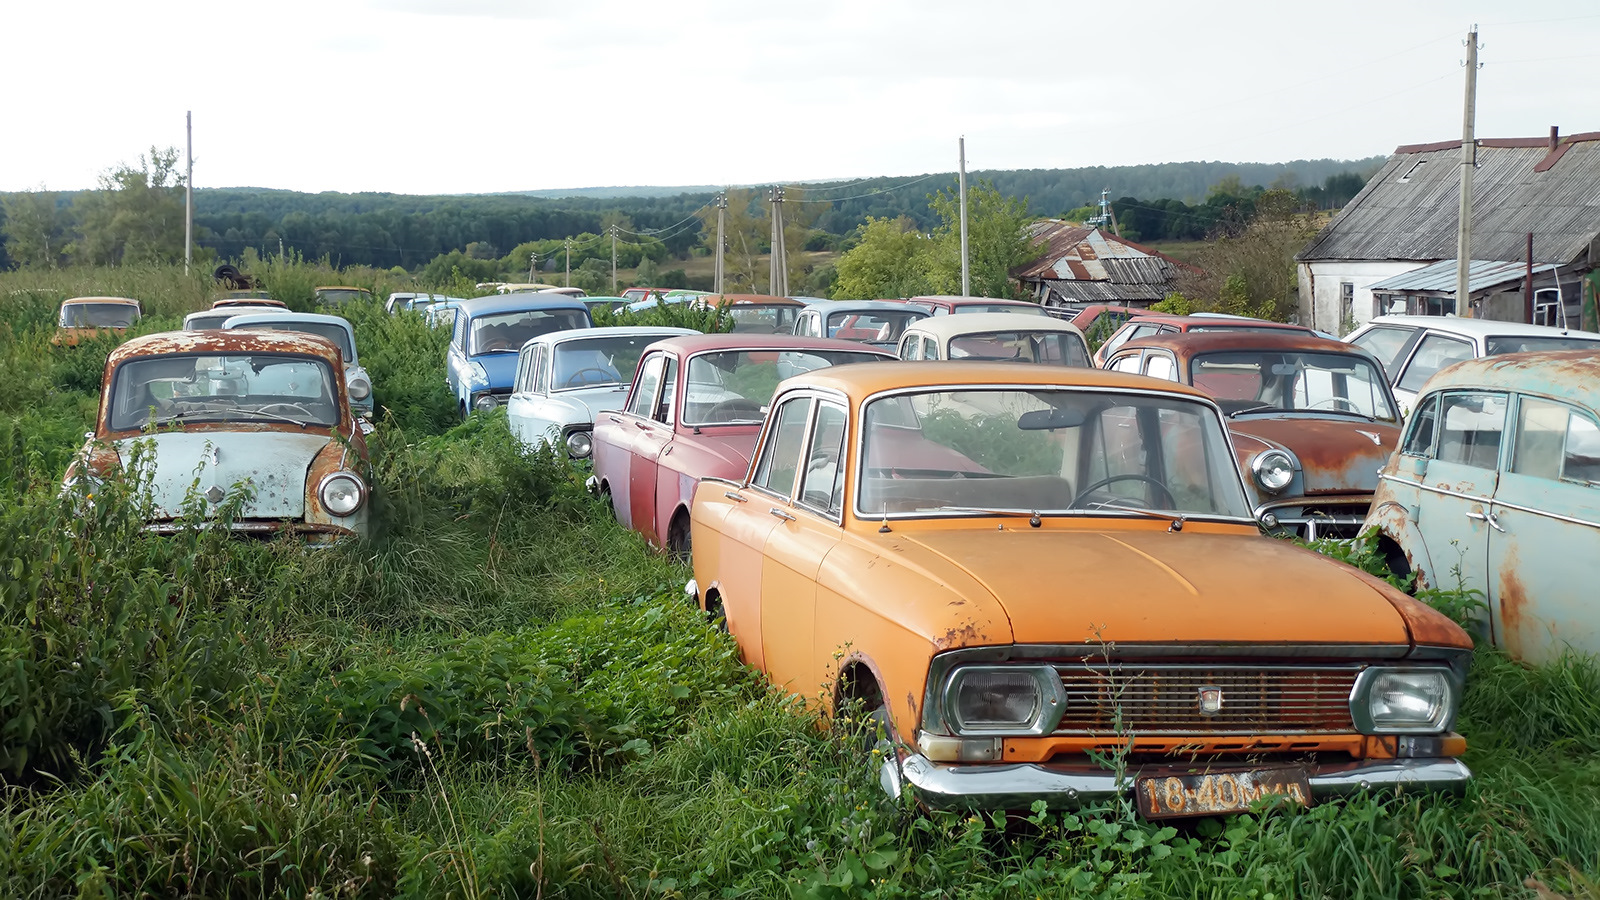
1408, 210
1441, 276
1084, 253
1064, 291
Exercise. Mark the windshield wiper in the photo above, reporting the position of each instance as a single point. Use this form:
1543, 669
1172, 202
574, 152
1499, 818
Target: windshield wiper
498, 350
1177, 519
1032, 514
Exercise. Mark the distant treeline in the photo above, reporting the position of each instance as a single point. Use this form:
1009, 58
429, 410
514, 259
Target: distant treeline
388, 230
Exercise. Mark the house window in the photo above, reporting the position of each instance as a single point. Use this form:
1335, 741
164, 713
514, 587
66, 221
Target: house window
1546, 307
1347, 302
1414, 170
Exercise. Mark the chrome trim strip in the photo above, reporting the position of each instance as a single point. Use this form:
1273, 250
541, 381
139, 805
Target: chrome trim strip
1493, 501
1018, 786
1382, 476
1571, 520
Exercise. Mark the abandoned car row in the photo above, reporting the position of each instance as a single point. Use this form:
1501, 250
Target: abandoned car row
914, 506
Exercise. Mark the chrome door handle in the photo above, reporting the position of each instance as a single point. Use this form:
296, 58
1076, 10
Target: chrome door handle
615, 420
734, 496
781, 514
1488, 518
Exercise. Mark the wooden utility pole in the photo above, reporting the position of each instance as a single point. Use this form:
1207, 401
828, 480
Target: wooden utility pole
778, 279
613, 260
966, 270
188, 193
533, 263
722, 242
568, 282
1469, 161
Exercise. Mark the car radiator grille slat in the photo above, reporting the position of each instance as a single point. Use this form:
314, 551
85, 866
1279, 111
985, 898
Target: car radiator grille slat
1140, 699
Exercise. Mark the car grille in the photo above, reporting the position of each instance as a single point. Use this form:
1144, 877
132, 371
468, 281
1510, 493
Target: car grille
1130, 698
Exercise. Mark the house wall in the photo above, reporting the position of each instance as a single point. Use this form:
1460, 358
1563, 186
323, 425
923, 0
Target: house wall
1320, 299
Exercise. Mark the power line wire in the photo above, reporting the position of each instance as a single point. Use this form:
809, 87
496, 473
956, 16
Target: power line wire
887, 190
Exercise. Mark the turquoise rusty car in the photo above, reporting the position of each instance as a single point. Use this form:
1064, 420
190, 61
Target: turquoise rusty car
1495, 487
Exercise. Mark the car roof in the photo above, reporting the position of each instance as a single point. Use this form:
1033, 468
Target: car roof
1572, 375
221, 342
1195, 343
578, 334
697, 343
830, 306
518, 302
231, 311
1241, 321
858, 382
945, 327
254, 318
125, 301
1476, 327
960, 299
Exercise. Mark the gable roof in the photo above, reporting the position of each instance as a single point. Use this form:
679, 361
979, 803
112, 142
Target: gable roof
1082, 264
1408, 211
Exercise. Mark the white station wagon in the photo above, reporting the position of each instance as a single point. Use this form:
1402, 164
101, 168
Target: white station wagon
996, 337
565, 377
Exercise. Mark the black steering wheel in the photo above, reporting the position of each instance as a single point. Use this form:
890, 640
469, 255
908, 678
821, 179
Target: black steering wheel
1172, 502
604, 376
729, 409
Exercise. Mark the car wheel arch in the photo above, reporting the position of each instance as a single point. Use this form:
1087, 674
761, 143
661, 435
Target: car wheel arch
1399, 540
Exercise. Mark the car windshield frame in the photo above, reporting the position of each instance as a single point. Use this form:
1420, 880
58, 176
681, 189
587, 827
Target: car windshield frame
571, 319
1232, 406
127, 413
344, 340
90, 310
1220, 463
696, 365
624, 379
898, 319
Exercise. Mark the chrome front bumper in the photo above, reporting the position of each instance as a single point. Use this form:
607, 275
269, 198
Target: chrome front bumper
1018, 786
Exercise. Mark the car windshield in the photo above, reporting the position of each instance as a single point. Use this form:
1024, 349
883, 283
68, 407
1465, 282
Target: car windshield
879, 325
1029, 310
332, 333
248, 387
760, 318
507, 332
1270, 380
1050, 450
734, 386
1055, 348
1532, 343
340, 296
99, 315
595, 362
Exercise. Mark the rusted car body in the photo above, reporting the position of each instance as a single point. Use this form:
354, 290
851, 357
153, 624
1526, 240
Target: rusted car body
83, 318
1015, 567
1149, 324
995, 336
333, 329
1312, 419
223, 410
673, 431
1496, 488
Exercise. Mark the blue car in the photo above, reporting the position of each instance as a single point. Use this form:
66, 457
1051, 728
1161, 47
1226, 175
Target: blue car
488, 331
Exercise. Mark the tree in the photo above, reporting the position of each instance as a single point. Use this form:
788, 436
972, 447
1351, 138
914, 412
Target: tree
136, 216
997, 241
747, 234
33, 228
1252, 272
888, 260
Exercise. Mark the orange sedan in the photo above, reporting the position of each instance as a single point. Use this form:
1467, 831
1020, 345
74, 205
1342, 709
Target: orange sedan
1024, 572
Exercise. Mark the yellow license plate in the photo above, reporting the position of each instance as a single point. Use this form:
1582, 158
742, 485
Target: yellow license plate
1216, 793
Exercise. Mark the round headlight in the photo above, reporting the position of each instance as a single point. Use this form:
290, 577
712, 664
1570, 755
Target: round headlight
360, 388
1273, 470
342, 493
579, 446
485, 403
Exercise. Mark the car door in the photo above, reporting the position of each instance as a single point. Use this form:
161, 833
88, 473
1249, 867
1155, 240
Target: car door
645, 441
1545, 533
519, 408
1160, 364
1455, 453
616, 435
1433, 352
651, 441
1388, 344
456, 362
795, 544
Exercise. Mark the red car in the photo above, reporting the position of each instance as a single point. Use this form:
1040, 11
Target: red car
1149, 324
674, 430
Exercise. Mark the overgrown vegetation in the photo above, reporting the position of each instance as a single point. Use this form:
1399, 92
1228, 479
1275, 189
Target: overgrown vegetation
502, 693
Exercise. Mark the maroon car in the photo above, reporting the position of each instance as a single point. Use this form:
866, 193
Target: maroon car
1312, 420
675, 430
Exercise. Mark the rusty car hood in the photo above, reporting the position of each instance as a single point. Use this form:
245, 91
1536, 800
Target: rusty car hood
275, 463
1337, 455
1068, 585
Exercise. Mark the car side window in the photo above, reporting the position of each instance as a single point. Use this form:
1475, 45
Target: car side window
1422, 428
524, 360
780, 459
1128, 363
1385, 344
930, 348
823, 486
1556, 442
910, 347
1160, 365
644, 393
539, 375
1434, 352
669, 393
1471, 424
460, 336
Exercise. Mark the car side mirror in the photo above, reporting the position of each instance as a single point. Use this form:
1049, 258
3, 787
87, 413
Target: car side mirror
1419, 466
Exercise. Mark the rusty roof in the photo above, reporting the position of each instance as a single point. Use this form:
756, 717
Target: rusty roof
1194, 343
1571, 375
221, 342
1082, 264
1408, 211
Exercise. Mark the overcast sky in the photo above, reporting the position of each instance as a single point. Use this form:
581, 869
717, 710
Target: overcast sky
447, 96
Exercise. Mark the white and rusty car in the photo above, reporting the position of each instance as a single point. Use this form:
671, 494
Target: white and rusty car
336, 330
228, 411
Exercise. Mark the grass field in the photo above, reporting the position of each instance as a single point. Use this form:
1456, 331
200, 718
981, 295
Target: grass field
504, 694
